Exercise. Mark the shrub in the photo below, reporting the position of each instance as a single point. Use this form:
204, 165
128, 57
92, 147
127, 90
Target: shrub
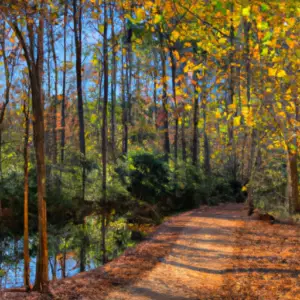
149, 177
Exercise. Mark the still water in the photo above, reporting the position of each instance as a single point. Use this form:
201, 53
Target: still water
11, 251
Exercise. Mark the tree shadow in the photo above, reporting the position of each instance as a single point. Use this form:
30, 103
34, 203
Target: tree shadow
157, 296
293, 273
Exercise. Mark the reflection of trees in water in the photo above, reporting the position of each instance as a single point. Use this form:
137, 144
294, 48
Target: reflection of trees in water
66, 251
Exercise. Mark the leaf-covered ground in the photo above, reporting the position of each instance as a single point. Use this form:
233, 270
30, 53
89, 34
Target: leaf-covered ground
208, 253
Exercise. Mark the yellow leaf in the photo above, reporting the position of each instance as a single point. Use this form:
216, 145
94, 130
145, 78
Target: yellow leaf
237, 121
222, 40
198, 89
232, 107
176, 54
140, 14
281, 74
218, 115
229, 116
188, 107
246, 11
272, 72
175, 35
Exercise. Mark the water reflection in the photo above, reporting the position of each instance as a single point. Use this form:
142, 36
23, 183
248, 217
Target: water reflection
11, 251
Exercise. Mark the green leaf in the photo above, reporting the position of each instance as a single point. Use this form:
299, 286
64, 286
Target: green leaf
267, 36
264, 7
157, 19
93, 118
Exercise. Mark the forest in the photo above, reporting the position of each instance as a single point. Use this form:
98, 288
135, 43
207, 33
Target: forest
118, 114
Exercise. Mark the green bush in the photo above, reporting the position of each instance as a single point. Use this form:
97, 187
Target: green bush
193, 188
149, 177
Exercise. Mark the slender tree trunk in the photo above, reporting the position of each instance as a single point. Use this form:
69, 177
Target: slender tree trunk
293, 181
49, 117
230, 99
231, 77
129, 77
207, 167
124, 111
155, 101
183, 140
292, 154
63, 266
253, 133
113, 85
164, 96
195, 145
77, 20
63, 103
26, 195
54, 149
173, 67
104, 135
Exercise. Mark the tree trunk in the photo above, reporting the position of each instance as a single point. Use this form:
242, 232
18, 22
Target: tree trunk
26, 195
54, 149
38, 130
63, 103
173, 67
164, 97
293, 181
206, 141
183, 140
124, 111
195, 145
41, 281
77, 18
113, 85
155, 101
104, 134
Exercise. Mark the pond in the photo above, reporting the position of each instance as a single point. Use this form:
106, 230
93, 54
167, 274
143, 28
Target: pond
69, 241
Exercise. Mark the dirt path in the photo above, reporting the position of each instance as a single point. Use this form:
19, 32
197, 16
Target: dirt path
209, 253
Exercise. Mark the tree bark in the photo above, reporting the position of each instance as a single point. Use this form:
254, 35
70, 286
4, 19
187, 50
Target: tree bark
173, 67
293, 189
195, 145
183, 140
63, 103
124, 110
26, 195
164, 96
104, 135
54, 149
77, 19
113, 85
